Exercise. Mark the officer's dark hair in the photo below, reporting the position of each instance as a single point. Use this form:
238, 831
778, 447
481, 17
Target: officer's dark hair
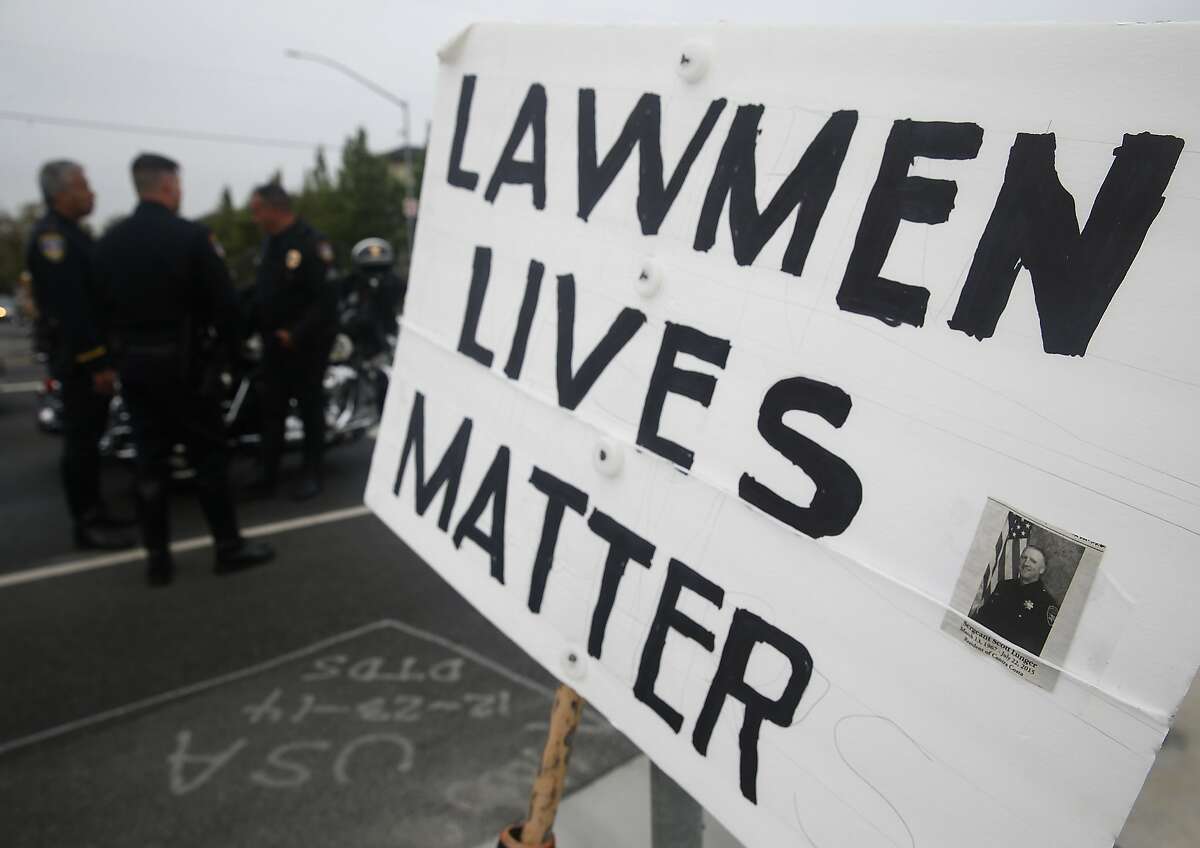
54, 176
149, 168
274, 195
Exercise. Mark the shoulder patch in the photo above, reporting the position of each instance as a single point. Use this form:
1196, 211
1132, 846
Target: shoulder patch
52, 246
217, 247
1051, 614
325, 251
292, 259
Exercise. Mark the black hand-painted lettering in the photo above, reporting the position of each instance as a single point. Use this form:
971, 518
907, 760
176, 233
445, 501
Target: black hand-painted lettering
481, 272
457, 176
574, 386
449, 468
623, 545
746, 632
897, 197
808, 186
668, 379
1033, 225
643, 128
493, 489
668, 618
839, 491
533, 289
532, 117
559, 496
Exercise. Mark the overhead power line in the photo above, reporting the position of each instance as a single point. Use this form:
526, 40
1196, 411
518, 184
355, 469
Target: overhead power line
139, 129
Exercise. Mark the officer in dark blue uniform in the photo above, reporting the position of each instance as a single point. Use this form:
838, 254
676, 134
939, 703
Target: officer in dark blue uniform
1022, 610
295, 303
70, 330
172, 311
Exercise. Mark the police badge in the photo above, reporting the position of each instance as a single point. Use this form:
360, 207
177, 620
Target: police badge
292, 260
52, 246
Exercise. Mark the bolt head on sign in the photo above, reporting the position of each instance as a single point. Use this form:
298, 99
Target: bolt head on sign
649, 279
693, 61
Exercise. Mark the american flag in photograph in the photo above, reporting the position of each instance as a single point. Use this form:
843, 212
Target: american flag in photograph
1007, 563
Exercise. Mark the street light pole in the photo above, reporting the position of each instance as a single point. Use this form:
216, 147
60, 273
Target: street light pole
405, 130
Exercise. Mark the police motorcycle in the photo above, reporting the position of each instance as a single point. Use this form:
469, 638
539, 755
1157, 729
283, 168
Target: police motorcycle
371, 298
355, 382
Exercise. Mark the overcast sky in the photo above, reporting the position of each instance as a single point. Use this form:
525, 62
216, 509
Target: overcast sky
218, 66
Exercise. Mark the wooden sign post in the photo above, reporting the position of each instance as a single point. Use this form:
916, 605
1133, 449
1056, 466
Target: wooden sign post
547, 790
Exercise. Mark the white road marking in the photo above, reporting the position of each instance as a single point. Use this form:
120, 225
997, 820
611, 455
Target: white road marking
13, 388
267, 665
195, 543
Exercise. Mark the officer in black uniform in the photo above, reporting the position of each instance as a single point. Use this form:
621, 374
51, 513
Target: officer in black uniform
373, 294
295, 303
1021, 609
169, 293
71, 331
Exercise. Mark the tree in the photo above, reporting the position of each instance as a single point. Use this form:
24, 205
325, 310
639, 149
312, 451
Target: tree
363, 199
373, 199
238, 235
14, 232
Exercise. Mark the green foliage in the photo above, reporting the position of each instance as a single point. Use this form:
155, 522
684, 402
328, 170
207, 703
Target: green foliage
363, 199
239, 235
14, 231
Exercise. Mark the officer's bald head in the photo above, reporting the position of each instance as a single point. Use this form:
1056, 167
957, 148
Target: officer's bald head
65, 188
156, 178
1033, 564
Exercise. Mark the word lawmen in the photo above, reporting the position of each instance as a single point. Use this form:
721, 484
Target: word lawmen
1075, 272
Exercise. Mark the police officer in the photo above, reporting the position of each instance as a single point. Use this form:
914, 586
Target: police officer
70, 330
168, 291
1021, 609
295, 304
374, 295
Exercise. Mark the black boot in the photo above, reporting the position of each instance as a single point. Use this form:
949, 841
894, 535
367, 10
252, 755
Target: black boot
240, 554
160, 568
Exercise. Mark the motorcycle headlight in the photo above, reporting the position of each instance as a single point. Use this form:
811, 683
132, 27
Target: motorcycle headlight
342, 350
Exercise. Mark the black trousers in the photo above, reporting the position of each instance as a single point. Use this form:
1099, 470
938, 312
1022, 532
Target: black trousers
297, 374
85, 416
165, 413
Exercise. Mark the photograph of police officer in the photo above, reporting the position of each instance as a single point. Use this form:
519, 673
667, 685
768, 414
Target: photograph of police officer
1023, 586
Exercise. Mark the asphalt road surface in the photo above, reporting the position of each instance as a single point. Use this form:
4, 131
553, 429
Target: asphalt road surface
341, 695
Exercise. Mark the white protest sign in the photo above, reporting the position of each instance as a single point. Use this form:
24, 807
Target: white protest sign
820, 404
